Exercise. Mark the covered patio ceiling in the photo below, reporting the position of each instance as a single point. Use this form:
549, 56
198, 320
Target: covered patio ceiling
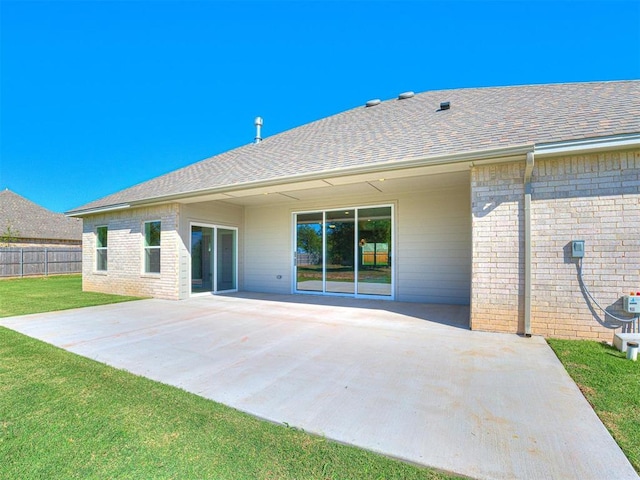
390, 182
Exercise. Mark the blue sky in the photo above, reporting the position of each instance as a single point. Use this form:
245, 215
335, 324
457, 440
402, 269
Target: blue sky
97, 96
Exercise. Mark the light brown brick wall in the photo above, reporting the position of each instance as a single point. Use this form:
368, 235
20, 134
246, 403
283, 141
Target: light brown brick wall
595, 198
125, 270
497, 267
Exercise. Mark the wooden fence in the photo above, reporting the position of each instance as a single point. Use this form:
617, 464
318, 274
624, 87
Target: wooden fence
22, 262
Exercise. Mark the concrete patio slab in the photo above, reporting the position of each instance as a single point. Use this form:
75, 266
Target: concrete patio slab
405, 380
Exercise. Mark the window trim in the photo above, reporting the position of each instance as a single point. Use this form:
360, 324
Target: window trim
100, 249
357, 207
146, 247
215, 227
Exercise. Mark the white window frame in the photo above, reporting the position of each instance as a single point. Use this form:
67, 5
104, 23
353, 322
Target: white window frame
146, 247
356, 208
215, 228
100, 249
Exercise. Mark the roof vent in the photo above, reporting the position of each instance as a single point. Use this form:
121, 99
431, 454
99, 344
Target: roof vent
373, 103
404, 95
258, 123
445, 106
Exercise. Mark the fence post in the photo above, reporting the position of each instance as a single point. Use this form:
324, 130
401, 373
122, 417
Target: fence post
46, 262
22, 262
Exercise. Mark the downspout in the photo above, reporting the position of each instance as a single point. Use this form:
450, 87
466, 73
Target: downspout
528, 170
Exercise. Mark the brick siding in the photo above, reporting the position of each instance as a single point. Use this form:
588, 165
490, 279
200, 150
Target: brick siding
125, 268
587, 197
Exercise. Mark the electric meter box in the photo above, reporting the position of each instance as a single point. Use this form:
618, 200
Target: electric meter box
632, 304
577, 248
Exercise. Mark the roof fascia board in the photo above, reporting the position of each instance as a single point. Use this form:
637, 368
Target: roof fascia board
491, 155
476, 157
94, 211
590, 145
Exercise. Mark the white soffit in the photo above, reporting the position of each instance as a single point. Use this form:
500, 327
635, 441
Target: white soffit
369, 188
401, 173
205, 198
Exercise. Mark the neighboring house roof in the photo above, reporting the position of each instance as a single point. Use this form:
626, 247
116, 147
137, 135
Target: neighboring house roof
28, 220
398, 130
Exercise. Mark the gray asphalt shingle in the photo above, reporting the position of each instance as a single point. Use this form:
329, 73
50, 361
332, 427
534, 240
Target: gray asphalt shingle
31, 221
398, 130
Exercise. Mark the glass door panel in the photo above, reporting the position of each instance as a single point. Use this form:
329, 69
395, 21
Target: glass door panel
340, 258
374, 251
226, 259
309, 276
201, 259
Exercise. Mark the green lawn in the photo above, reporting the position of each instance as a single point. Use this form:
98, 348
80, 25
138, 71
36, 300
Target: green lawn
338, 273
64, 416
46, 294
611, 384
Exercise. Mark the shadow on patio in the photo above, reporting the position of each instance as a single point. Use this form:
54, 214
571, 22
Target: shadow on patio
451, 315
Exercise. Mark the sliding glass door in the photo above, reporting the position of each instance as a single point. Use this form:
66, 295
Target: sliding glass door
226, 259
213, 259
309, 252
345, 251
374, 251
201, 259
340, 267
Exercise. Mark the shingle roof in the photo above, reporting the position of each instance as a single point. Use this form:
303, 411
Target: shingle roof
31, 221
397, 130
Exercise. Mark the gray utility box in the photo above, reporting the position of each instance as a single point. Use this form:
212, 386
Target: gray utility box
620, 340
631, 303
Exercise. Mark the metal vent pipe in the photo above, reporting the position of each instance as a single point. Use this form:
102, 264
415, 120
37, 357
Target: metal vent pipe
258, 123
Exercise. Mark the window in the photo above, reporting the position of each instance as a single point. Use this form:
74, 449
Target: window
345, 251
152, 247
101, 249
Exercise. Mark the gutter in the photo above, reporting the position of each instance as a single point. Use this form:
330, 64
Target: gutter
477, 157
93, 211
588, 145
474, 157
528, 170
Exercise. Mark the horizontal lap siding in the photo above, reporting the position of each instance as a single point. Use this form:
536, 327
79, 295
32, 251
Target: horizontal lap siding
434, 246
267, 249
433, 237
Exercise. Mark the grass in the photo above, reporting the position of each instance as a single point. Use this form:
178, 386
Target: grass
337, 273
46, 294
611, 384
65, 416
